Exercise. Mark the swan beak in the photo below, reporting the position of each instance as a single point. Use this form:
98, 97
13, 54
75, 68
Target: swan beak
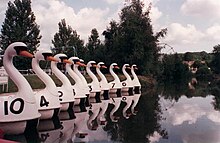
67, 61
136, 68
80, 64
50, 58
104, 67
26, 54
128, 67
116, 67
94, 65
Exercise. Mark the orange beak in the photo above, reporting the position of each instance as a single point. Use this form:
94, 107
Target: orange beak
128, 67
136, 68
26, 54
50, 58
67, 61
103, 67
116, 67
94, 66
82, 65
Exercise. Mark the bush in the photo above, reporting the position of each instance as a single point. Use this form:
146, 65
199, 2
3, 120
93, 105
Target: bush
204, 72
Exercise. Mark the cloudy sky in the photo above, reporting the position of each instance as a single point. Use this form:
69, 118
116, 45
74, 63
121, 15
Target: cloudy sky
193, 25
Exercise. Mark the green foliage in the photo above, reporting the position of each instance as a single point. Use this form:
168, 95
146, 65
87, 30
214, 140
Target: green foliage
197, 64
188, 56
215, 63
174, 70
203, 72
95, 48
132, 40
67, 41
19, 25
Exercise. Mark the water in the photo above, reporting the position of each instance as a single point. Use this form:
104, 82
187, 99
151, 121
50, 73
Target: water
173, 114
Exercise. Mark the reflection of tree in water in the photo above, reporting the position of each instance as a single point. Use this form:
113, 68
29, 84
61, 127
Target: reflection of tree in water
215, 91
138, 128
175, 91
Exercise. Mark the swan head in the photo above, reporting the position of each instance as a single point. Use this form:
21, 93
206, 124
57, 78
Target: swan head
91, 64
62, 58
134, 67
114, 66
126, 66
82, 62
101, 65
75, 61
18, 49
44, 55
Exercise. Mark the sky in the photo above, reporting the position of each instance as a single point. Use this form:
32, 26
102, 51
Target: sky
193, 25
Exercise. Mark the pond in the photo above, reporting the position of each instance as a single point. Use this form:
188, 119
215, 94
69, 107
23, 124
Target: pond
169, 114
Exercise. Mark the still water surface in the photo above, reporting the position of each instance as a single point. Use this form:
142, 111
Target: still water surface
162, 117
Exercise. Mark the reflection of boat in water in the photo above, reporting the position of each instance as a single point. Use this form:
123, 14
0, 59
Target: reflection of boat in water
128, 100
101, 116
116, 101
67, 120
136, 98
93, 111
80, 125
49, 130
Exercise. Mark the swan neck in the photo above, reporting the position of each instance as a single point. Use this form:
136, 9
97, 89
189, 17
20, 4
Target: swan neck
59, 74
91, 74
101, 75
126, 74
19, 80
80, 74
73, 75
114, 74
134, 74
50, 85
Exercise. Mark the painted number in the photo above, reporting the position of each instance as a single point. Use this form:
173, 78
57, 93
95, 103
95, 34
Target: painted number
90, 88
43, 137
43, 102
124, 98
74, 93
11, 107
123, 84
60, 95
113, 84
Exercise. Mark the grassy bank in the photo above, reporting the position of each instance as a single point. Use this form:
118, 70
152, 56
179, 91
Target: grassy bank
36, 83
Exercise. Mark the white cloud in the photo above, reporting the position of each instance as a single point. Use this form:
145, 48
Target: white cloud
49, 13
188, 111
204, 8
178, 34
155, 137
179, 114
3, 6
213, 32
114, 1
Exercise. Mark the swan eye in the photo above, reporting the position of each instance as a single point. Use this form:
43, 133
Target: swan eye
46, 55
93, 64
18, 49
63, 58
75, 61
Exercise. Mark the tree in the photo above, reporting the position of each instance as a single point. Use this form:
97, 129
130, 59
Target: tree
67, 41
111, 35
174, 69
188, 56
215, 64
94, 46
133, 38
19, 25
